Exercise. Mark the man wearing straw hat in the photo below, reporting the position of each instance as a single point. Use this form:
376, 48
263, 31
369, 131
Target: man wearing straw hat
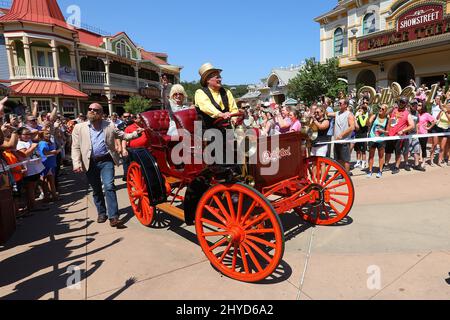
213, 100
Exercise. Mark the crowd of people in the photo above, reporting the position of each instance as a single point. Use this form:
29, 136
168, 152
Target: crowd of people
348, 118
33, 148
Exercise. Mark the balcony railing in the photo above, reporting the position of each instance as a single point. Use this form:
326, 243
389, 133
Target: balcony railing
43, 72
93, 77
121, 81
144, 82
20, 72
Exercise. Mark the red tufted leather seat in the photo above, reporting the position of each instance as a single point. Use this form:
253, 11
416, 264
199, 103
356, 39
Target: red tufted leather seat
186, 119
158, 121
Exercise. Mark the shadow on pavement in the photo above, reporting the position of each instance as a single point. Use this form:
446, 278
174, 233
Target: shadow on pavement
62, 232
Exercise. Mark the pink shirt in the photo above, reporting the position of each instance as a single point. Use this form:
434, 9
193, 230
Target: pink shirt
424, 119
296, 127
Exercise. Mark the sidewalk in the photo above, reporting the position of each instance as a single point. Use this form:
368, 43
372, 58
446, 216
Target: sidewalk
399, 226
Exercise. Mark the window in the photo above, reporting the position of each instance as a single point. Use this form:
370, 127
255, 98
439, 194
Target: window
123, 49
369, 23
43, 57
338, 42
44, 105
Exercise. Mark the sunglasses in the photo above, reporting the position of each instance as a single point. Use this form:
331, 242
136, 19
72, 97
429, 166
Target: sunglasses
94, 110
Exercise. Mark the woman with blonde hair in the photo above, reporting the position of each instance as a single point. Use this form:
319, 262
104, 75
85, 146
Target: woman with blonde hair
177, 99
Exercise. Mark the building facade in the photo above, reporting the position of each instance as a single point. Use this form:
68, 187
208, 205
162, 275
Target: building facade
379, 42
45, 59
274, 89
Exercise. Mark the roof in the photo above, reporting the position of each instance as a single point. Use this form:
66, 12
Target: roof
38, 11
46, 88
291, 102
250, 95
90, 38
285, 75
152, 57
3, 11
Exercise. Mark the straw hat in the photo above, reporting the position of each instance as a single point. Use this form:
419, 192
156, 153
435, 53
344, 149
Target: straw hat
205, 71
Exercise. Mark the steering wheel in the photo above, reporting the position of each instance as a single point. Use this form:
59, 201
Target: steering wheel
221, 122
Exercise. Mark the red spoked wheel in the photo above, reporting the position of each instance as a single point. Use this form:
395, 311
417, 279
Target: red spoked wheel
138, 193
240, 232
333, 192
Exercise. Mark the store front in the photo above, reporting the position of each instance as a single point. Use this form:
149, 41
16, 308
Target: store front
414, 46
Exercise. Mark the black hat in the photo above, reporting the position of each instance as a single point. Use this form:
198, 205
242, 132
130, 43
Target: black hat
403, 100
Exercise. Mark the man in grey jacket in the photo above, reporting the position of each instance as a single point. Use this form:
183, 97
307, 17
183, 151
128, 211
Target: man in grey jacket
94, 152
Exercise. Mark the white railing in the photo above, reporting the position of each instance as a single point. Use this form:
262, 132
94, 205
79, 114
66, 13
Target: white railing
93, 77
43, 72
121, 81
20, 71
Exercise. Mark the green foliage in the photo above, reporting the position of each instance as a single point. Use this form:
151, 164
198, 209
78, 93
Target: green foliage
137, 104
191, 88
315, 80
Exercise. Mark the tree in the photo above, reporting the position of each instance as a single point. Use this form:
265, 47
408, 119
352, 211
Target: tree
137, 104
315, 80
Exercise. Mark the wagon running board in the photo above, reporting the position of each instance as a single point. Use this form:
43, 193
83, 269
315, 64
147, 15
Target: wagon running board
172, 210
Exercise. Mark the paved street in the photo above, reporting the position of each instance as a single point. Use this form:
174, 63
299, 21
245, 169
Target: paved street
399, 229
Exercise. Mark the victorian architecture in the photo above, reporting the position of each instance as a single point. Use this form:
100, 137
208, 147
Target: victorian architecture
45, 59
273, 89
383, 41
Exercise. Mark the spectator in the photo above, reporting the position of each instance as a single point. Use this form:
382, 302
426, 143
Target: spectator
81, 118
414, 143
426, 124
378, 124
443, 126
331, 116
296, 126
94, 152
283, 121
400, 124
115, 120
362, 130
344, 127
323, 125
48, 153
28, 150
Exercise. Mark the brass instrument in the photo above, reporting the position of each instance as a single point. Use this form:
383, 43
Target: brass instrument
309, 130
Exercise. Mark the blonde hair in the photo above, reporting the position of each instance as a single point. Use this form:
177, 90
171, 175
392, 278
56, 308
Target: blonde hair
177, 88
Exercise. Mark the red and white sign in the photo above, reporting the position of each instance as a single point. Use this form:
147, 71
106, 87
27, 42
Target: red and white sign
420, 16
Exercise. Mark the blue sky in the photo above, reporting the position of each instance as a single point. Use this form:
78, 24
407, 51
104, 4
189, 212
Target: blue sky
246, 38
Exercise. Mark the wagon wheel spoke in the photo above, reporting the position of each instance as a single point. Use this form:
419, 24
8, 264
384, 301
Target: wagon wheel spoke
258, 250
252, 257
222, 208
336, 193
261, 241
238, 252
218, 244
244, 259
139, 196
234, 259
214, 224
259, 219
216, 214
230, 206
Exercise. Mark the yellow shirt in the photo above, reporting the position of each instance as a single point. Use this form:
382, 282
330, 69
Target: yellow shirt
204, 103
